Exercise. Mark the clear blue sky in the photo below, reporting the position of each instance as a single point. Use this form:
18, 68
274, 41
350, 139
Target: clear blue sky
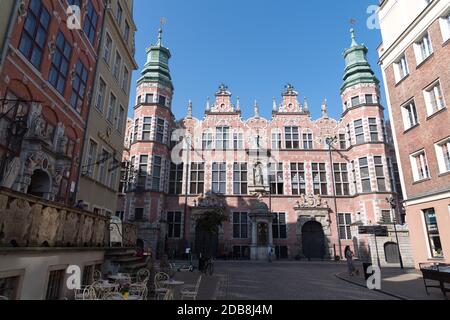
255, 47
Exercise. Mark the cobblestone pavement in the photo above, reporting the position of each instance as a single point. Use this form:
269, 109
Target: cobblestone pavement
286, 281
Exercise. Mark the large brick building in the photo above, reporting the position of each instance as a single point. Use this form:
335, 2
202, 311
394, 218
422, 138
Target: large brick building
224, 161
415, 59
46, 83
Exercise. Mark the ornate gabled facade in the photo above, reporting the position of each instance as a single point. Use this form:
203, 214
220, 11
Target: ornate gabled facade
275, 182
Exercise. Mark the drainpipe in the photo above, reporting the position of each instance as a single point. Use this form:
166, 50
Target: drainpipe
4, 47
83, 144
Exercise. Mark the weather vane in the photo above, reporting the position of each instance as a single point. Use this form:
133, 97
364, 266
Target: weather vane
163, 21
352, 21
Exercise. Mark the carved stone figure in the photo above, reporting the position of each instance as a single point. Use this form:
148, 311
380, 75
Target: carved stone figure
259, 175
12, 170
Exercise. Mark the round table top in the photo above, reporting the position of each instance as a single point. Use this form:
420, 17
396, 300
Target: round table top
118, 277
172, 283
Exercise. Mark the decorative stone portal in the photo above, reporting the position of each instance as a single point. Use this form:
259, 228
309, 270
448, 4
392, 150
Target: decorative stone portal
313, 228
262, 237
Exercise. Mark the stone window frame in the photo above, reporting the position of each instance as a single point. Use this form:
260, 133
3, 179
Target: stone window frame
274, 171
222, 138
207, 140
173, 223
432, 93
292, 137
277, 226
401, 68
323, 183
276, 139
238, 140
176, 176
342, 174
219, 168
444, 23
240, 178
357, 126
409, 115
107, 49
157, 176
101, 94
373, 129
344, 222
91, 159
142, 170
199, 169
298, 169
146, 128
423, 49
442, 149
308, 139
160, 129
241, 225
366, 177
380, 176
19, 275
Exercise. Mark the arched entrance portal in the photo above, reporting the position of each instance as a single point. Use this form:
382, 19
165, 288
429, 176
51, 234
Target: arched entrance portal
313, 240
206, 241
40, 185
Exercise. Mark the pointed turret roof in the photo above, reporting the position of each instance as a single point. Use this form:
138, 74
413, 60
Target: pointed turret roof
357, 67
156, 68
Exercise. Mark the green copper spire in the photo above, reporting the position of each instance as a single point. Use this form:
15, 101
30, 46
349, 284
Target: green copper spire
156, 68
357, 68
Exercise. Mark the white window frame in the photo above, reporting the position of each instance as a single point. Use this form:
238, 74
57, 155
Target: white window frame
409, 115
444, 164
432, 94
423, 49
401, 69
444, 23
422, 157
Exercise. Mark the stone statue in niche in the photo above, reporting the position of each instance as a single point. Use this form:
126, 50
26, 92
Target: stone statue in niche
259, 175
38, 126
63, 144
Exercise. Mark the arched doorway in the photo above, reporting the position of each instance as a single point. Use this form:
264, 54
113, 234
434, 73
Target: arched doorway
40, 185
206, 241
391, 252
313, 240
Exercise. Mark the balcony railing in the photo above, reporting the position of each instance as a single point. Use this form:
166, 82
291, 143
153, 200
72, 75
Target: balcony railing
27, 221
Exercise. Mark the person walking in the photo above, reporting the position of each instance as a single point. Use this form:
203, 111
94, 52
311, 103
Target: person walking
350, 265
269, 254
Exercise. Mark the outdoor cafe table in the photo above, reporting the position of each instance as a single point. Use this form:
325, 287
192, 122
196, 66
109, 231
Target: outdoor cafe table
171, 285
119, 278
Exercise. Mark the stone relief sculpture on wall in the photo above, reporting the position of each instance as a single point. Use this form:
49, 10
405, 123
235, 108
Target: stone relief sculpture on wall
311, 201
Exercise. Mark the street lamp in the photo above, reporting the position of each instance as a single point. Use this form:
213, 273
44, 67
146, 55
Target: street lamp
330, 141
393, 205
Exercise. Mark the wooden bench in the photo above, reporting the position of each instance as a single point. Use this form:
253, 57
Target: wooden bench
438, 273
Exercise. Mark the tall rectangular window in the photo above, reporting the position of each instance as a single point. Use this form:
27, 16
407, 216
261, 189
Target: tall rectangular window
9, 287
101, 92
319, 174
176, 179
355, 101
197, 178
238, 141
143, 171
276, 141
117, 65
79, 86
240, 225
423, 48
149, 98
373, 130
359, 131
419, 165
401, 69
54, 285
276, 179
160, 124
369, 99
386, 216
379, 172
365, 175
240, 178
125, 80
298, 178
107, 49
291, 137
111, 107
434, 238
207, 141
307, 141
90, 22
136, 130
156, 173
409, 114
34, 34
219, 177
222, 137
443, 155
120, 119
341, 179
102, 166
344, 222
146, 128
59, 68
119, 15
174, 224
90, 159
279, 225
434, 98
342, 141
126, 32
